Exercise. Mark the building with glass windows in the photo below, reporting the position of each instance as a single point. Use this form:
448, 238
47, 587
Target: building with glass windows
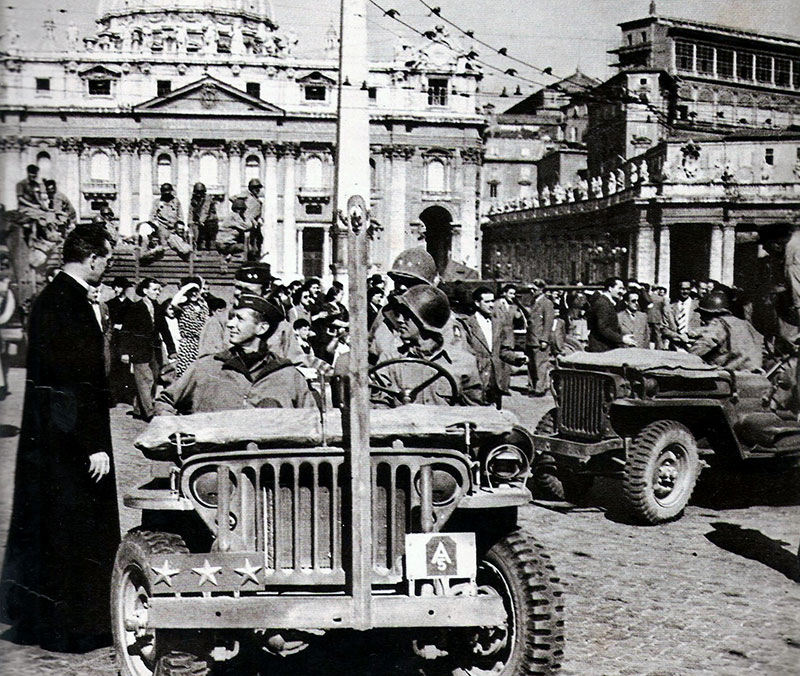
181, 91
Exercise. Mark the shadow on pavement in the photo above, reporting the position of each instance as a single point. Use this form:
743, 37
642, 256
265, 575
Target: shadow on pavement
7, 431
777, 486
753, 544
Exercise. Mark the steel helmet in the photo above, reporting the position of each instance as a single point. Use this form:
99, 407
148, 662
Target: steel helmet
428, 304
416, 263
715, 303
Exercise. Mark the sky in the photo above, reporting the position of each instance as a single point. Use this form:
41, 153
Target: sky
558, 34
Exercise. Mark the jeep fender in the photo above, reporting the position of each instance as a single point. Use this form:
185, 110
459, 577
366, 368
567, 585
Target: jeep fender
708, 420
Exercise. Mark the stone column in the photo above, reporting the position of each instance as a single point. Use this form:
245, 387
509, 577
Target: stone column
9, 156
471, 159
235, 150
291, 151
269, 250
715, 253
395, 192
70, 182
145, 178
728, 252
299, 250
183, 149
664, 256
125, 148
645, 254
327, 276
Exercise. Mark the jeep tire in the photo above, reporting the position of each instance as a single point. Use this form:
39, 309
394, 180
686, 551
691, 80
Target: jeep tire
532, 640
551, 480
143, 652
660, 472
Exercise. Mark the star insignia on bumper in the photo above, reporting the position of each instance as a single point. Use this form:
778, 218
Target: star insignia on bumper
248, 572
164, 573
207, 573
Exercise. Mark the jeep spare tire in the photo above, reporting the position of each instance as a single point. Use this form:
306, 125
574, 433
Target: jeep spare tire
661, 472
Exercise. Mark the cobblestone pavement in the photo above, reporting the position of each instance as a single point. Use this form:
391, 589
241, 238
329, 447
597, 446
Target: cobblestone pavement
714, 593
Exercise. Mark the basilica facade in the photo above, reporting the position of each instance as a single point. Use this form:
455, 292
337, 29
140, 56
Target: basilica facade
169, 91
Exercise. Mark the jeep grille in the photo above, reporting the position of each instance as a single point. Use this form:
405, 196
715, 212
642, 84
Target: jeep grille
581, 399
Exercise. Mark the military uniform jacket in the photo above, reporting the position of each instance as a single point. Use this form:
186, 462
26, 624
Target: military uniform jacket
224, 382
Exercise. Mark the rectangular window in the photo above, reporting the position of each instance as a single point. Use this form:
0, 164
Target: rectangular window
437, 91
725, 63
705, 59
763, 68
769, 156
42, 84
493, 190
630, 38
744, 65
254, 89
782, 73
315, 93
100, 87
644, 36
163, 87
372, 93
684, 55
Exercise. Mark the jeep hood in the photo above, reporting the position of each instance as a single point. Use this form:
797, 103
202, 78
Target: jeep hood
651, 361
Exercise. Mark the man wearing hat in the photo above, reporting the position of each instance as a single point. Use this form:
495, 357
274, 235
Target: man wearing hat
723, 339
119, 377
253, 278
254, 206
246, 375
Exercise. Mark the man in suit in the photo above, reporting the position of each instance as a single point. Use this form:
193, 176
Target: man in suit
140, 344
601, 317
681, 317
64, 528
539, 339
491, 340
119, 377
633, 322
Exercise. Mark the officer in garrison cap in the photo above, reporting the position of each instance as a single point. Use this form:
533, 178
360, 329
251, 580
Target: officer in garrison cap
246, 375
254, 278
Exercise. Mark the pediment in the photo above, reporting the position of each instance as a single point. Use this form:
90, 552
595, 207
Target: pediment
315, 77
208, 96
99, 71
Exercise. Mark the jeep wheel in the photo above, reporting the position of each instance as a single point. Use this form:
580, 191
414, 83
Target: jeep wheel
661, 472
550, 479
531, 640
140, 651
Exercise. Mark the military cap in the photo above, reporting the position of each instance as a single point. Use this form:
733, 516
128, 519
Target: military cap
254, 273
271, 313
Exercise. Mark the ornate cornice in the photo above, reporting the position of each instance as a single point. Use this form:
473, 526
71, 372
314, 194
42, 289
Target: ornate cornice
182, 146
398, 152
71, 144
146, 146
290, 149
126, 146
235, 148
472, 155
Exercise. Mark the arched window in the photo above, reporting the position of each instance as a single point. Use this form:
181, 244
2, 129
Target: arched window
208, 169
100, 167
45, 164
252, 168
164, 169
313, 177
434, 176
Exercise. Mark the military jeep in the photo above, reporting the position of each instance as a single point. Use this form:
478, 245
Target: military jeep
270, 529
655, 419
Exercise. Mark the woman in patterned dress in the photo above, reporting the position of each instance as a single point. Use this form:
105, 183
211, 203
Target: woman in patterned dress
192, 311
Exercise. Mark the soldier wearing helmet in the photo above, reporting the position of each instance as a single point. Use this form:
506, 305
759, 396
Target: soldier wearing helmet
253, 215
422, 315
725, 340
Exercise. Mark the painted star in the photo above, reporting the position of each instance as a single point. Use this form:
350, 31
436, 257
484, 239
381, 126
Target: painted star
207, 573
164, 573
248, 572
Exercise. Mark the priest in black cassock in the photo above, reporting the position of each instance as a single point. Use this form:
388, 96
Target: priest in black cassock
64, 528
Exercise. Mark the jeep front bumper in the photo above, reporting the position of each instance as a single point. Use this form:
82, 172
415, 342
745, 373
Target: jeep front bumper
576, 449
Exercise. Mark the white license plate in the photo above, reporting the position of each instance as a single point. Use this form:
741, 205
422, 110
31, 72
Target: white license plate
440, 555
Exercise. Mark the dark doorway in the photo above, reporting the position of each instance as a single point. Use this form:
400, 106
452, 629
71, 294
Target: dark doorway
747, 266
438, 234
312, 251
690, 250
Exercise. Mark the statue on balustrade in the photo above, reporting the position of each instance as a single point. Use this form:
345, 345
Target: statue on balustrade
203, 220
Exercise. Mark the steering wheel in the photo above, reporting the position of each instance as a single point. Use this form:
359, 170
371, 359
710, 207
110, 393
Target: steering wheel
409, 395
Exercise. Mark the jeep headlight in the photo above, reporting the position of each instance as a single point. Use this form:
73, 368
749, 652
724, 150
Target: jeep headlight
507, 462
444, 485
205, 487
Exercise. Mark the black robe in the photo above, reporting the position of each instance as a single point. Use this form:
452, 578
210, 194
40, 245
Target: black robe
65, 526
